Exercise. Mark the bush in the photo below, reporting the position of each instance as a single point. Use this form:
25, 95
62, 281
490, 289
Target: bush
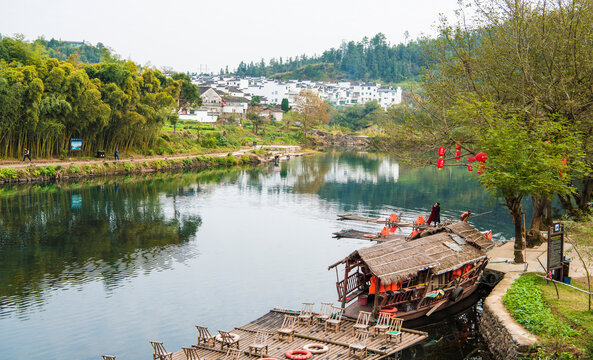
74, 169
8, 173
128, 166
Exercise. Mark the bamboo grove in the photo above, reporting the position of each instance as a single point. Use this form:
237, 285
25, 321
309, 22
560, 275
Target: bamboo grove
110, 105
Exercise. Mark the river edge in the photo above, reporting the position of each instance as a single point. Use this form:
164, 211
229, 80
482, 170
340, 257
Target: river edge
63, 170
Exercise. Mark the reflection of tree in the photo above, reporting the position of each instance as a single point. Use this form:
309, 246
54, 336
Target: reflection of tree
52, 237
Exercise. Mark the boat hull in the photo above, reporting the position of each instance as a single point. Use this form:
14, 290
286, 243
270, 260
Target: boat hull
353, 309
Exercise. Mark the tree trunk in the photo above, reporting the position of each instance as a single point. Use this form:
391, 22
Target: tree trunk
586, 194
513, 203
568, 205
534, 236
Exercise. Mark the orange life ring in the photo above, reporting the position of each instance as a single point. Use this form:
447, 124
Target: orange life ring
298, 354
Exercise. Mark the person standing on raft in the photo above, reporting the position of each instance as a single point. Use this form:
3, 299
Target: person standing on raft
465, 215
435, 214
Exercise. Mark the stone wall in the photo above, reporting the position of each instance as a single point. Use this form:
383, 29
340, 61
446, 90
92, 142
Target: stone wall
506, 339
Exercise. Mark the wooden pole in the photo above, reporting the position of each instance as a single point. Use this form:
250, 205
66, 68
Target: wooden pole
345, 286
376, 301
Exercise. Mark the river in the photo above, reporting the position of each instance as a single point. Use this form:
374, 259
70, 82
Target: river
102, 266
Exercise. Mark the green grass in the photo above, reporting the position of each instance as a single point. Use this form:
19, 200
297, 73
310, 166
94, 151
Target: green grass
565, 326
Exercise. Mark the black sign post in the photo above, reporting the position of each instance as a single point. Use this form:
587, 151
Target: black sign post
556, 251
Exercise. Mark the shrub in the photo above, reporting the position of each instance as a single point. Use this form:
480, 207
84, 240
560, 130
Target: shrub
74, 169
128, 166
8, 173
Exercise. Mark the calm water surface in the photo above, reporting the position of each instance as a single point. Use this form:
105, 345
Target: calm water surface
104, 266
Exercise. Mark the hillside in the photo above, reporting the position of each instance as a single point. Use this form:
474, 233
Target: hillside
369, 59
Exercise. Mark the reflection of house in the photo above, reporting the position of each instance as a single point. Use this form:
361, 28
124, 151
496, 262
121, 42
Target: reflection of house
202, 115
272, 113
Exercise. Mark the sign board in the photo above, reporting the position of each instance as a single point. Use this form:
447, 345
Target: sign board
555, 246
75, 144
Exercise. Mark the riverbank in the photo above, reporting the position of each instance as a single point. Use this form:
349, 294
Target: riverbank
508, 336
51, 169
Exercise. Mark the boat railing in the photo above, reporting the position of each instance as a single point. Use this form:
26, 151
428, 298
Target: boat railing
354, 283
403, 296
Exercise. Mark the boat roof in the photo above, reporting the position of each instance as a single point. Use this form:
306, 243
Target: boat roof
447, 249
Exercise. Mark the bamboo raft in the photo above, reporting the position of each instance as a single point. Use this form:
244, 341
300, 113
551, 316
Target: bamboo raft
361, 235
337, 343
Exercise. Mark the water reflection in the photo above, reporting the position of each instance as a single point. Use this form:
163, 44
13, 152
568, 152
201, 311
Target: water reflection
105, 265
54, 237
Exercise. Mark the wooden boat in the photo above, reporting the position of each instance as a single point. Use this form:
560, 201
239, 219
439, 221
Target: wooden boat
414, 277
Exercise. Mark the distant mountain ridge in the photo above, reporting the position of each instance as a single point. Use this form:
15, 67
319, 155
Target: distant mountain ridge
366, 60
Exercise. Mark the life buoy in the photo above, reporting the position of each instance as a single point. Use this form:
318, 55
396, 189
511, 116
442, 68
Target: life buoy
298, 354
316, 348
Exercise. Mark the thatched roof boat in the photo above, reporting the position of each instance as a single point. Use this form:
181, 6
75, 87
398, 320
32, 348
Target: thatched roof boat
416, 276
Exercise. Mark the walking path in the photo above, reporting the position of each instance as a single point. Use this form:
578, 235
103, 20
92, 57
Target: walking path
15, 164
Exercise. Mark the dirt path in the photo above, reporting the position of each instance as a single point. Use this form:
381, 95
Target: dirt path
16, 164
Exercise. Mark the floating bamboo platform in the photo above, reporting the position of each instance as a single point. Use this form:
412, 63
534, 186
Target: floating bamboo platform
362, 235
337, 342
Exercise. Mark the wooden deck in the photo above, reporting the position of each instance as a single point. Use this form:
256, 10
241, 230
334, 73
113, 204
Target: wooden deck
337, 342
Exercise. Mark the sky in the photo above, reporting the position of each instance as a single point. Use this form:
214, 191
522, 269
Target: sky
209, 35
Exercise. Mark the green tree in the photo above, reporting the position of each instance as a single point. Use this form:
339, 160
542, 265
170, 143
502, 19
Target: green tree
285, 105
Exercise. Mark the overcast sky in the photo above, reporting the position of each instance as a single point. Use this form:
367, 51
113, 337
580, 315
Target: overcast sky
190, 35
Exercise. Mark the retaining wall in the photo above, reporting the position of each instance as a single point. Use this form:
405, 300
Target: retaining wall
506, 339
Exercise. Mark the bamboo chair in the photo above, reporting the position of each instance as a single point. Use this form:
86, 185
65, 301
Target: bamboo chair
204, 337
395, 330
159, 351
362, 323
335, 319
108, 357
359, 347
232, 354
286, 331
228, 339
260, 344
324, 312
306, 313
382, 324
191, 353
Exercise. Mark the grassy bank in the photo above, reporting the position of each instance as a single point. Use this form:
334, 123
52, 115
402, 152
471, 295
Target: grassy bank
564, 324
196, 138
56, 172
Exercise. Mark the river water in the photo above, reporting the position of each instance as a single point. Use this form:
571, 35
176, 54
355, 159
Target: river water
103, 266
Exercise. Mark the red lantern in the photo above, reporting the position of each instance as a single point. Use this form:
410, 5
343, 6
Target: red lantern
457, 155
470, 168
563, 167
471, 159
440, 163
457, 147
481, 157
441, 151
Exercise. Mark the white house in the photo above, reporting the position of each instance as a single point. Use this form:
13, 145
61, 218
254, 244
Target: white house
200, 115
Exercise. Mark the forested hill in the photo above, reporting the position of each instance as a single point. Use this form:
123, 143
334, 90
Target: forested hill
86, 52
62, 50
373, 59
